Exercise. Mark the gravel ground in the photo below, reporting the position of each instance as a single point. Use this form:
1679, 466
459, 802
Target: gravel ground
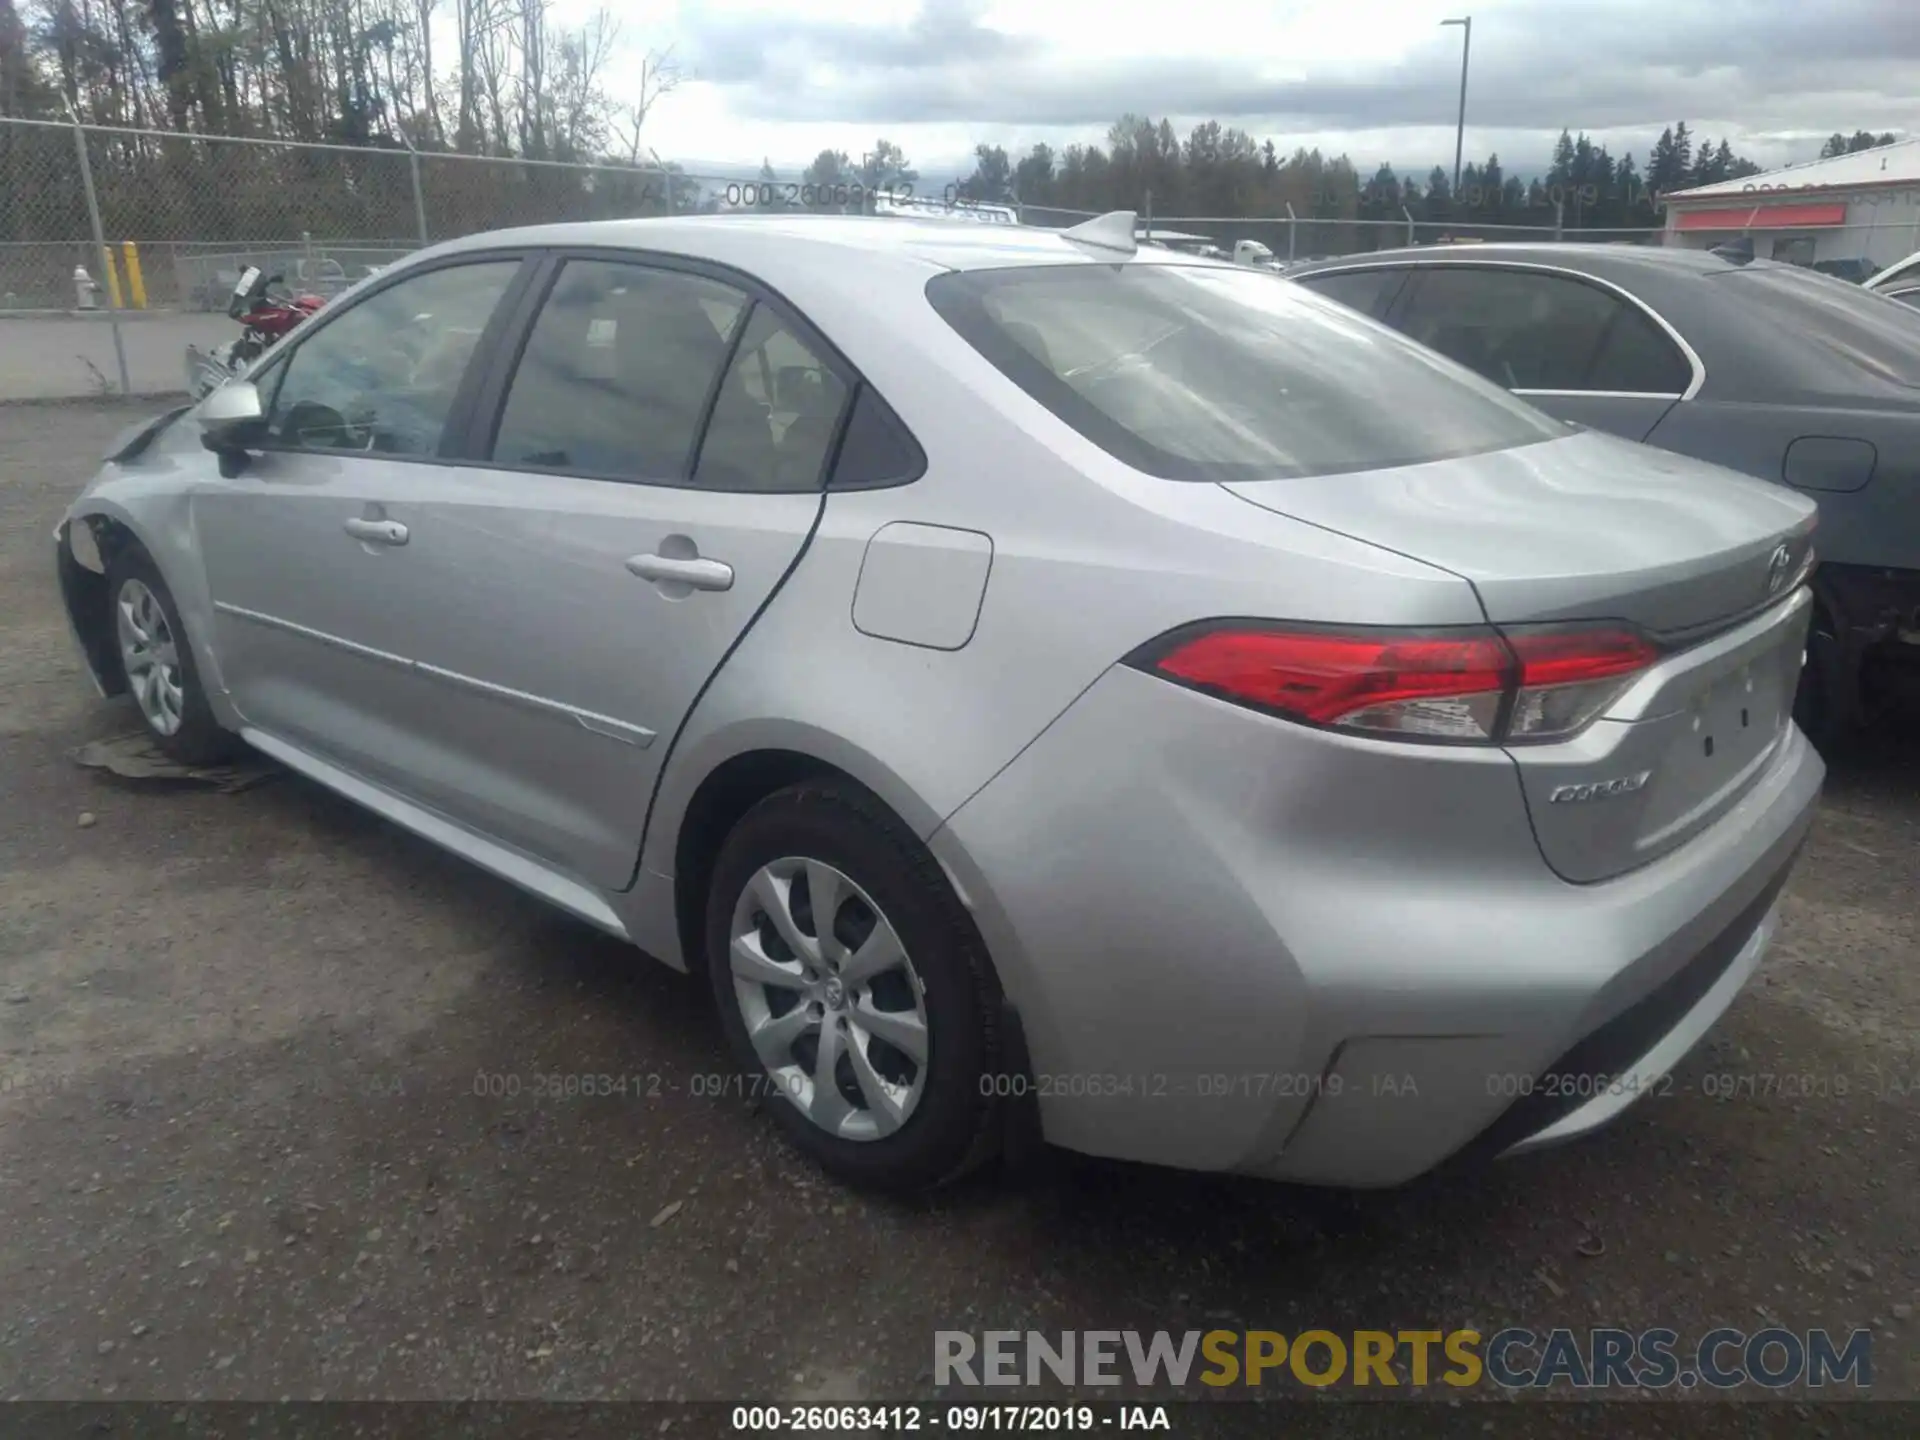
242, 1156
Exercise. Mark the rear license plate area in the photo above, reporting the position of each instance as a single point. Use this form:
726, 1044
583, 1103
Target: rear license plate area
1742, 711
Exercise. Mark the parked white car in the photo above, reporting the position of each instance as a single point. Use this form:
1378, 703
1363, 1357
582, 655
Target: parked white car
1252, 253
1899, 281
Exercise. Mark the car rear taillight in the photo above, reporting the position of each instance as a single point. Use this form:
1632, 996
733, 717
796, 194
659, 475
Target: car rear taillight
1567, 677
1464, 686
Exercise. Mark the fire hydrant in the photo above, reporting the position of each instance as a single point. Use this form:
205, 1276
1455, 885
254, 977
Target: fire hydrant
86, 289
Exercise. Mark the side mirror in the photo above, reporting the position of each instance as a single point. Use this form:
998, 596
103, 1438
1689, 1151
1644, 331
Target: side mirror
231, 420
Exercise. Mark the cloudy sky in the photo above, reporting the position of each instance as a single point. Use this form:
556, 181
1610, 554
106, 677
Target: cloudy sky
1377, 79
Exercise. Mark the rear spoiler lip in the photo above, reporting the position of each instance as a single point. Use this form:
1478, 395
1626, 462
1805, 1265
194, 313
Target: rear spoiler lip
1706, 630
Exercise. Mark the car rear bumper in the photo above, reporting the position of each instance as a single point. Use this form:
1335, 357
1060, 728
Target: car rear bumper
1239, 944
1632, 1054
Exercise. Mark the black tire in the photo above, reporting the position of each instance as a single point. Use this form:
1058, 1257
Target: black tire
953, 1128
199, 739
1825, 706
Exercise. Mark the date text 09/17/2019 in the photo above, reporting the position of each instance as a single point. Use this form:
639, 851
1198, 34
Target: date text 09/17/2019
950, 1419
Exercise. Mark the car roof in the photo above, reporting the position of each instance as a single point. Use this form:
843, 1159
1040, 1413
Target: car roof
770, 245
1596, 259
1747, 349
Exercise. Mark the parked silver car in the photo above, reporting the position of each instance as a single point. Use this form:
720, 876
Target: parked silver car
1899, 281
1048, 688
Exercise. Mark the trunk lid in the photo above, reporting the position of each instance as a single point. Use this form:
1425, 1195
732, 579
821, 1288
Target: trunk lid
1593, 528
1585, 528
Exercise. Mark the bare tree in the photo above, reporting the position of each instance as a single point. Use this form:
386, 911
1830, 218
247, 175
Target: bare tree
423, 33
575, 100
660, 76
532, 86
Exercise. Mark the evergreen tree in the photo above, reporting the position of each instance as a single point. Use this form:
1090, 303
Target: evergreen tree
1033, 177
992, 177
1560, 172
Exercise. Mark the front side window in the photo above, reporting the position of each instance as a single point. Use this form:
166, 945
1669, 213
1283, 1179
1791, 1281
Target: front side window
1528, 330
617, 372
1206, 373
382, 377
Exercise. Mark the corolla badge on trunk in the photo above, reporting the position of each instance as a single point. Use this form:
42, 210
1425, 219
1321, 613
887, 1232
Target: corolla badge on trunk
1598, 789
1777, 568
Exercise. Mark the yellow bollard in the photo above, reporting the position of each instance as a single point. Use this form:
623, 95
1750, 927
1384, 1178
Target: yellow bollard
113, 276
136, 282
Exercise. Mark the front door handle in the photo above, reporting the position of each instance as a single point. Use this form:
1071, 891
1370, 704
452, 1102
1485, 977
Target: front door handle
378, 532
697, 574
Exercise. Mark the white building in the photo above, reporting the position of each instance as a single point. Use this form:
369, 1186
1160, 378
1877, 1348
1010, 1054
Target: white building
1863, 207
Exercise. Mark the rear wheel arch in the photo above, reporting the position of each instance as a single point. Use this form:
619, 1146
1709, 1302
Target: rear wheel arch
728, 792
738, 768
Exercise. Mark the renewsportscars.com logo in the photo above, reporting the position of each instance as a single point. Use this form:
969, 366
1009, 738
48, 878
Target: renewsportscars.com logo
1515, 1359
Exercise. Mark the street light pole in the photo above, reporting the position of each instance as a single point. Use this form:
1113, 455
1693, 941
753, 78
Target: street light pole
1460, 128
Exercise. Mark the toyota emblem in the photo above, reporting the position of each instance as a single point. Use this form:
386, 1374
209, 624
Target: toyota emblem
1777, 568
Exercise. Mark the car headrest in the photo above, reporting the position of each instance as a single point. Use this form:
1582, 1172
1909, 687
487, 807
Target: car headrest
800, 390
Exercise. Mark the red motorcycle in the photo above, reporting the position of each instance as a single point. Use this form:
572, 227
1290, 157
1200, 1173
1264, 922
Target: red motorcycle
264, 317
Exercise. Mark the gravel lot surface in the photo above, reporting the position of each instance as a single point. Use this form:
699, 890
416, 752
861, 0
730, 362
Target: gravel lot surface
242, 1156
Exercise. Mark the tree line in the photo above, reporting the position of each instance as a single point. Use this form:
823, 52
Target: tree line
1218, 172
1226, 172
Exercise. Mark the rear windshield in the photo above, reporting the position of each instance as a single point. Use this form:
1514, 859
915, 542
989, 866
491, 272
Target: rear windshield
1866, 330
1214, 374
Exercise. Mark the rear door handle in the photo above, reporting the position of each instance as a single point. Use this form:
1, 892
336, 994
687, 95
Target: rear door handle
378, 532
696, 573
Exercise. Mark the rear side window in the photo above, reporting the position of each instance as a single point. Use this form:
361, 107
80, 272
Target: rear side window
1368, 291
617, 372
1634, 355
774, 418
1205, 373
1529, 330
878, 450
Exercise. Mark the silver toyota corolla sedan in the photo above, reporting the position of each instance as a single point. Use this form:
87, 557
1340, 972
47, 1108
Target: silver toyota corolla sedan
1050, 690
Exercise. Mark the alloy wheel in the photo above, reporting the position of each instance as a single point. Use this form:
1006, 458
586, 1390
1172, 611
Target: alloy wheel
151, 657
831, 1002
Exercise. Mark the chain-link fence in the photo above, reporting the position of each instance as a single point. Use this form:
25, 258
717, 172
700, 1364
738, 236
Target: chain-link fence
197, 207
148, 231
